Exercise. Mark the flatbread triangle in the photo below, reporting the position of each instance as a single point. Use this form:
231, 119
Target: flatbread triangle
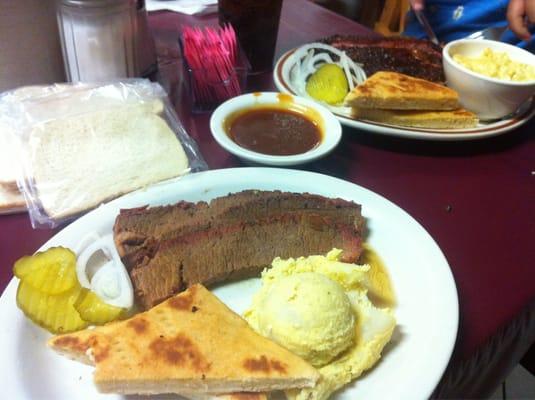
454, 119
191, 344
395, 91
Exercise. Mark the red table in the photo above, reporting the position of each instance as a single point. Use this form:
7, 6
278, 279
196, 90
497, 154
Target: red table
477, 199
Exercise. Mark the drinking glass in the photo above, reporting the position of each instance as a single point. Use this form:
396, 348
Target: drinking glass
256, 23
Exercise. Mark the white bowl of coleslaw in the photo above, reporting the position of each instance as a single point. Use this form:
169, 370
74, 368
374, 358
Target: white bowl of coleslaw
482, 88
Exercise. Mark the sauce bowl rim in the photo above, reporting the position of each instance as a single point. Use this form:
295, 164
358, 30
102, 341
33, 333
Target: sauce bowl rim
332, 132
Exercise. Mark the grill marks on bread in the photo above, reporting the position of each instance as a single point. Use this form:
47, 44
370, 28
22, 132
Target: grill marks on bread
169, 248
394, 91
402, 84
139, 325
179, 350
264, 364
184, 302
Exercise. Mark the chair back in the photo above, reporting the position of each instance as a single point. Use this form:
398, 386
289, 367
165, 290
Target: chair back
392, 19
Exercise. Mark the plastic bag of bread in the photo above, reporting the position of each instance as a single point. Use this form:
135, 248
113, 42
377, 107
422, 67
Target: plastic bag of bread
83, 144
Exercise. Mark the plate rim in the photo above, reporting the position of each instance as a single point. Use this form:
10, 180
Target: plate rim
493, 129
441, 360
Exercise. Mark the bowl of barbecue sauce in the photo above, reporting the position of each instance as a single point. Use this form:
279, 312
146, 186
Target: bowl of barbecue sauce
275, 128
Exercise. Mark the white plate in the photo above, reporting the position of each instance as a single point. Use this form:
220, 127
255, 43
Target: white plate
281, 75
427, 310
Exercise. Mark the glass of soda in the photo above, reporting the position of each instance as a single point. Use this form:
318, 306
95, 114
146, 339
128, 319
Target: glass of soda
256, 23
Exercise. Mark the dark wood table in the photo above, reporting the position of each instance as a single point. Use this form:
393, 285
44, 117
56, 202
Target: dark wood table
476, 198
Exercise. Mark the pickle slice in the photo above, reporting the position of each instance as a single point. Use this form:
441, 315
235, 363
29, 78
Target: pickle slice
92, 309
56, 313
52, 271
328, 83
23, 266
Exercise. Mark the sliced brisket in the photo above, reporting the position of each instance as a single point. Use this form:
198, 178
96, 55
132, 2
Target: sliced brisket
237, 251
141, 228
169, 248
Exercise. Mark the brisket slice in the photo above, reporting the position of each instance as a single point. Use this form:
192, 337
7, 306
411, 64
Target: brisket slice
415, 57
138, 231
237, 250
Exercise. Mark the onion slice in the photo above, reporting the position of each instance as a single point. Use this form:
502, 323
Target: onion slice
100, 269
306, 60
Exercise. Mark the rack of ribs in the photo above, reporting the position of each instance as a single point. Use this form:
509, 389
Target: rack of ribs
415, 57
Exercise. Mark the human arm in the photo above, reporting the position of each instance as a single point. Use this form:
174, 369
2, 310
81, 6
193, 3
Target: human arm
519, 14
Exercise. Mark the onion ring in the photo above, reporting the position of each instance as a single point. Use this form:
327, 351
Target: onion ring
306, 60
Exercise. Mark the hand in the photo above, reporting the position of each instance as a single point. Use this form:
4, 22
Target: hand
417, 4
520, 13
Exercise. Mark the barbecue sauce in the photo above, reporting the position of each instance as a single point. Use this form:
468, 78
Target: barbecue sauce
274, 130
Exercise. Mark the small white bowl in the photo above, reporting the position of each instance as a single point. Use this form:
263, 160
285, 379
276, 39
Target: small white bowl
330, 126
489, 98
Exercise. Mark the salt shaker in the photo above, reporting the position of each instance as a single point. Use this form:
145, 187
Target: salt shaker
105, 39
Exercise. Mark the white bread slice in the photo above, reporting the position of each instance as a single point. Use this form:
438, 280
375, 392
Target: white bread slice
81, 161
191, 344
395, 91
455, 119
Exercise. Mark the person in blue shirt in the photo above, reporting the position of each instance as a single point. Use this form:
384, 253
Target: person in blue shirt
455, 19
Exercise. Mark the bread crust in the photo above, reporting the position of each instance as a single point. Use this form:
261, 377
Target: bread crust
11, 201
